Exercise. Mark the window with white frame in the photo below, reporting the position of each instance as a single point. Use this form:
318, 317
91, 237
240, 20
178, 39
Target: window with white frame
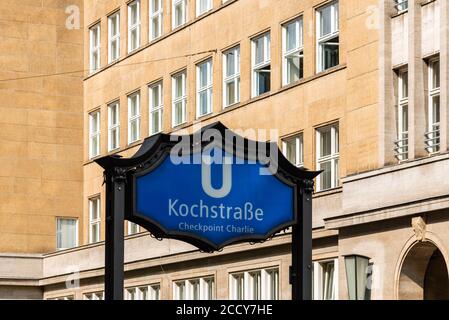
133, 228
114, 37
156, 107
194, 289
231, 76
113, 126
133, 117
261, 64
66, 233
262, 284
133, 25
95, 47
401, 144
327, 144
204, 88
325, 280
401, 5
179, 99
156, 16
293, 51
293, 149
94, 296
328, 36
179, 16
432, 137
71, 297
151, 292
94, 134
94, 220
203, 6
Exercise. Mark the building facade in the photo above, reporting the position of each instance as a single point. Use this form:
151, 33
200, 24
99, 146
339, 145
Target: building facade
357, 89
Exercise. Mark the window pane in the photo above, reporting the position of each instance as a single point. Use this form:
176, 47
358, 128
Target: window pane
330, 53
230, 93
230, 63
178, 113
203, 75
436, 74
325, 142
155, 26
328, 280
179, 14
404, 77
263, 79
404, 123
259, 50
294, 68
155, 94
292, 36
134, 18
290, 150
134, 39
66, 233
436, 109
326, 177
325, 21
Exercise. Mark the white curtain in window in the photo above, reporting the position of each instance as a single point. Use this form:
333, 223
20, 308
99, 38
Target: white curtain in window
66, 233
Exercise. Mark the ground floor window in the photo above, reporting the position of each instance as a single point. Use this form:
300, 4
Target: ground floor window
151, 292
325, 280
261, 284
194, 289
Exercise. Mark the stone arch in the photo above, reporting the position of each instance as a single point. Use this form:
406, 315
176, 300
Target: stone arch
422, 272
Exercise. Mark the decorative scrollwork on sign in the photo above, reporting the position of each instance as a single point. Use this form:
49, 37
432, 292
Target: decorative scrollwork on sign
119, 174
308, 185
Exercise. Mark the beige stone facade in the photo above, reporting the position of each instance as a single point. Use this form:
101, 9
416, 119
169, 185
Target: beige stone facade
41, 127
385, 204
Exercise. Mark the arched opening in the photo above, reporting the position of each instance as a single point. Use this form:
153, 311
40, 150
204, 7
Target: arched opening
424, 274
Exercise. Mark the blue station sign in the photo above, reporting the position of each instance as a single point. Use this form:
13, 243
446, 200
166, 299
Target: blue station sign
214, 197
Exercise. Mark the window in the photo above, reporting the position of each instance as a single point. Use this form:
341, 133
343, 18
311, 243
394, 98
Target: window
194, 289
94, 220
204, 88
293, 149
328, 37
66, 233
401, 5
133, 25
156, 108
114, 37
261, 64
94, 134
63, 298
155, 19
133, 228
133, 117
432, 137
179, 13
401, 144
203, 6
293, 53
179, 97
231, 76
113, 126
94, 296
328, 156
95, 46
325, 280
151, 292
255, 285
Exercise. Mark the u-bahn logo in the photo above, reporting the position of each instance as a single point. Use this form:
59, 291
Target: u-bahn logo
206, 177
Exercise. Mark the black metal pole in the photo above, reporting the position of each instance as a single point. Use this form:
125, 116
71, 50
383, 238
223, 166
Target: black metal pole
301, 270
114, 246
